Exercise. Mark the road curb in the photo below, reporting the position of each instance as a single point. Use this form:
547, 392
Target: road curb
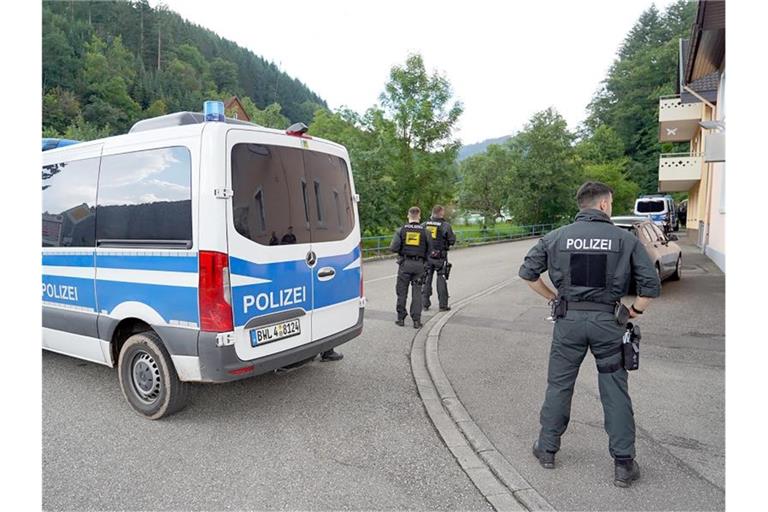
496, 479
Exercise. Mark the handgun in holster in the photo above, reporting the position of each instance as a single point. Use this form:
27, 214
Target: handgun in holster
447, 269
558, 308
630, 347
621, 313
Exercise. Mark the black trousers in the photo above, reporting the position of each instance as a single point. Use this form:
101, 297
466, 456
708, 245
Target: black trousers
435, 266
410, 273
573, 335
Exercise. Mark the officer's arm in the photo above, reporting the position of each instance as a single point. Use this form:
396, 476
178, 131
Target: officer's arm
533, 266
450, 237
395, 245
646, 278
429, 244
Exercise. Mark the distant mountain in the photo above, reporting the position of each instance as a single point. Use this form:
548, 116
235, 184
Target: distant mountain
480, 147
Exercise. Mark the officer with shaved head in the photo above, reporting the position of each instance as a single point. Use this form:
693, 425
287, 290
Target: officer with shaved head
591, 263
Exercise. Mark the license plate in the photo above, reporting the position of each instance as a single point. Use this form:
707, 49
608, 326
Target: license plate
274, 332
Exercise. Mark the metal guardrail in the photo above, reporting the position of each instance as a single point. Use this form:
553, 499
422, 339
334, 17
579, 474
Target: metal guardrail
373, 246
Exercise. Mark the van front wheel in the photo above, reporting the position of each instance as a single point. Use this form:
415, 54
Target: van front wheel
148, 379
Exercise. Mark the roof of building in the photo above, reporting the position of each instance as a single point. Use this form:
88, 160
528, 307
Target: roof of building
706, 52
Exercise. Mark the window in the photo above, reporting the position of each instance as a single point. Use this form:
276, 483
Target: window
329, 173
658, 233
145, 197
337, 204
69, 203
649, 234
318, 203
650, 206
287, 191
270, 198
260, 217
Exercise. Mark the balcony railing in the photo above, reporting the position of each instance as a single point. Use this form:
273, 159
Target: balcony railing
678, 121
678, 172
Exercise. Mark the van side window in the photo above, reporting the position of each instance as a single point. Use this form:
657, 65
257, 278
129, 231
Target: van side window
144, 197
270, 192
329, 173
69, 203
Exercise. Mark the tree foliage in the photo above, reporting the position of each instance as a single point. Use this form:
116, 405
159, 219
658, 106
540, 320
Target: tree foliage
645, 69
486, 182
114, 61
402, 151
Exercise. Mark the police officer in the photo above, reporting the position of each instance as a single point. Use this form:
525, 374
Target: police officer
413, 244
442, 239
591, 263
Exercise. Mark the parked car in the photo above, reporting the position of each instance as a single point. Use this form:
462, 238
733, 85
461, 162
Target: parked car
665, 254
660, 209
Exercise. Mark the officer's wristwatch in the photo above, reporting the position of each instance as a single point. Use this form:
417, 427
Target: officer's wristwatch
636, 310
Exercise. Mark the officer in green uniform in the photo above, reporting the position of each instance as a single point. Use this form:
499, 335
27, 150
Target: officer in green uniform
413, 244
442, 236
591, 263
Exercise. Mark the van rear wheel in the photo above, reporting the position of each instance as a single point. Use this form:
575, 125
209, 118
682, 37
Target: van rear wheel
148, 379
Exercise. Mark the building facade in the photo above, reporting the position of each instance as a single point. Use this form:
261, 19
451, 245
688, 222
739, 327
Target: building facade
697, 115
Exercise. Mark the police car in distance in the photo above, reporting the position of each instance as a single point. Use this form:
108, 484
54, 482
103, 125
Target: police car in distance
198, 248
665, 254
660, 209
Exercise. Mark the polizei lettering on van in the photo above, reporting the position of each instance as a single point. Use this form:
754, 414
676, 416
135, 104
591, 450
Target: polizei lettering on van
275, 299
589, 244
61, 292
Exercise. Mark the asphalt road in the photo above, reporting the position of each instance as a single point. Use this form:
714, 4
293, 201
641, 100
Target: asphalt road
354, 434
346, 435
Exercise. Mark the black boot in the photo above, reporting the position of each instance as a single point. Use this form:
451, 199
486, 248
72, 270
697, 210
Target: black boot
546, 459
331, 355
625, 471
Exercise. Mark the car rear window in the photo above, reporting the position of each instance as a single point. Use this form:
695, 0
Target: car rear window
649, 207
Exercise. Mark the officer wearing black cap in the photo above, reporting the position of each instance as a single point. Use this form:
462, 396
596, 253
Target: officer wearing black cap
591, 263
442, 236
413, 244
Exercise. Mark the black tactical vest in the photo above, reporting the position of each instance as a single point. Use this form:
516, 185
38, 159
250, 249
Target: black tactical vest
587, 255
413, 240
437, 232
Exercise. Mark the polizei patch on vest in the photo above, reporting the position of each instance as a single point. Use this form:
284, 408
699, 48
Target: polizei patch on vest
591, 244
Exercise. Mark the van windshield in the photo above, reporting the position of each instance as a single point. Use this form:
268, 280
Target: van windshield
285, 195
649, 207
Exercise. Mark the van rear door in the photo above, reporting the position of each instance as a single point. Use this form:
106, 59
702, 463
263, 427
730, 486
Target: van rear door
335, 239
269, 241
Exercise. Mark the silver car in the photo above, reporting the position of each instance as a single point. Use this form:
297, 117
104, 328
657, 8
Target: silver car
665, 254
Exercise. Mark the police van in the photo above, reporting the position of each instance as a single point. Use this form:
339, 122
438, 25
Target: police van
660, 209
198, 248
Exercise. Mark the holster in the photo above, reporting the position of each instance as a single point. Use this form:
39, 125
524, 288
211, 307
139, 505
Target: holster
631, 347
621, 313
558, 308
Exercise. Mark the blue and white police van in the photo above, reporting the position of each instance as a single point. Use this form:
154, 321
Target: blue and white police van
198, 248
660, 209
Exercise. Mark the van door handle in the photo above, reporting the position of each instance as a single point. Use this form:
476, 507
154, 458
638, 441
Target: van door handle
326, 274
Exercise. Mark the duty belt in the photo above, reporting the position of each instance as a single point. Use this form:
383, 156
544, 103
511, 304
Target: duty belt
591, 306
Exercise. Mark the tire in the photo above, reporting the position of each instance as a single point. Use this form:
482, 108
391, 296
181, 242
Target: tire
678, 270
148, 378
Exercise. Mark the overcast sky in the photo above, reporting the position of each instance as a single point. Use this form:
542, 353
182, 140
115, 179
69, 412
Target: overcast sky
505, 60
